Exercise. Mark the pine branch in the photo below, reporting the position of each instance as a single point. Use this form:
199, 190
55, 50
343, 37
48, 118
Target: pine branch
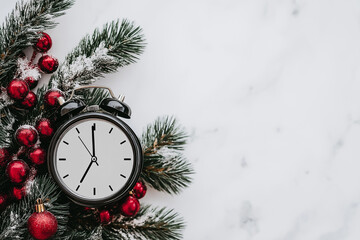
168, 174
21, 29
13, 220
163, 132
149, 223
165, 168
116, 45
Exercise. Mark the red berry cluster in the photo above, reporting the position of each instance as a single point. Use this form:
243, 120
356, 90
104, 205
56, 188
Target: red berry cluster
20, 89
128, 207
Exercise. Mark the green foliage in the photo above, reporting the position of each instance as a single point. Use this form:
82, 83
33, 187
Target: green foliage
13, 220
116, 45
165, 168
149, 223
21, 29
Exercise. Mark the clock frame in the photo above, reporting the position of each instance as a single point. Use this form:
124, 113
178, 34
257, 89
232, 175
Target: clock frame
132, 179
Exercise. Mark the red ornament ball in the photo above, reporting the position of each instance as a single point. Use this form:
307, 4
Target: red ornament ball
42, 225
51, 96
130, 207
17, 89
44, 43
43, 126
26, 136
104, 216
48, 64
29, 101
4, 157
17, 171
3, 201
31, 82
139, 190
37, 155
18, 192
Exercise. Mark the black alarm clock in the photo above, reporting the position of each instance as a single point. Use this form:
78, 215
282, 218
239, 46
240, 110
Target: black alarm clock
95, 157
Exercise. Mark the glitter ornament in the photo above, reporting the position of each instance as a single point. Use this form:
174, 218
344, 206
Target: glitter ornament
42, 224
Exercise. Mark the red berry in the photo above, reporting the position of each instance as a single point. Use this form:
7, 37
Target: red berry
139, 190
19, 192
104, 216
48, 64
29, 101
44, 43
3, 201
43, 126
37, 155
4, 157
31, 82
17, 171
26, 136
17, 89
51, 96
130, 207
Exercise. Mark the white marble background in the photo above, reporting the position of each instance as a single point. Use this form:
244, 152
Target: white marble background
270, 92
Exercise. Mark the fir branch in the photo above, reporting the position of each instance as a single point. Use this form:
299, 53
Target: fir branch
167, 174
116, 45
13, 220
149, 223
21, 29
165, 168
165, 131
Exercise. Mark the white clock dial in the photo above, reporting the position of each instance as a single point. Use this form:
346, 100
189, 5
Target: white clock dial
94, 170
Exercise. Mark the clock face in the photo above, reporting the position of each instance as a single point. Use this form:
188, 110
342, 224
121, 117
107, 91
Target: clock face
94, 159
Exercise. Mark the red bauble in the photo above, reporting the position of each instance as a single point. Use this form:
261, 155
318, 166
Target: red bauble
4, 157
130, 206
26, 135
43, 126
31, 82
42, 225
51, 96
3, 201
29, 101
17, 171
18, 192
44, 43
48, 64
17, 89
104, 216
37, 155
139, 190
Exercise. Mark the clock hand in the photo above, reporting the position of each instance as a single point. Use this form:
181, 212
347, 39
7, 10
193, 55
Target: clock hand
85, 145
87, 149
87, 170
93, 139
